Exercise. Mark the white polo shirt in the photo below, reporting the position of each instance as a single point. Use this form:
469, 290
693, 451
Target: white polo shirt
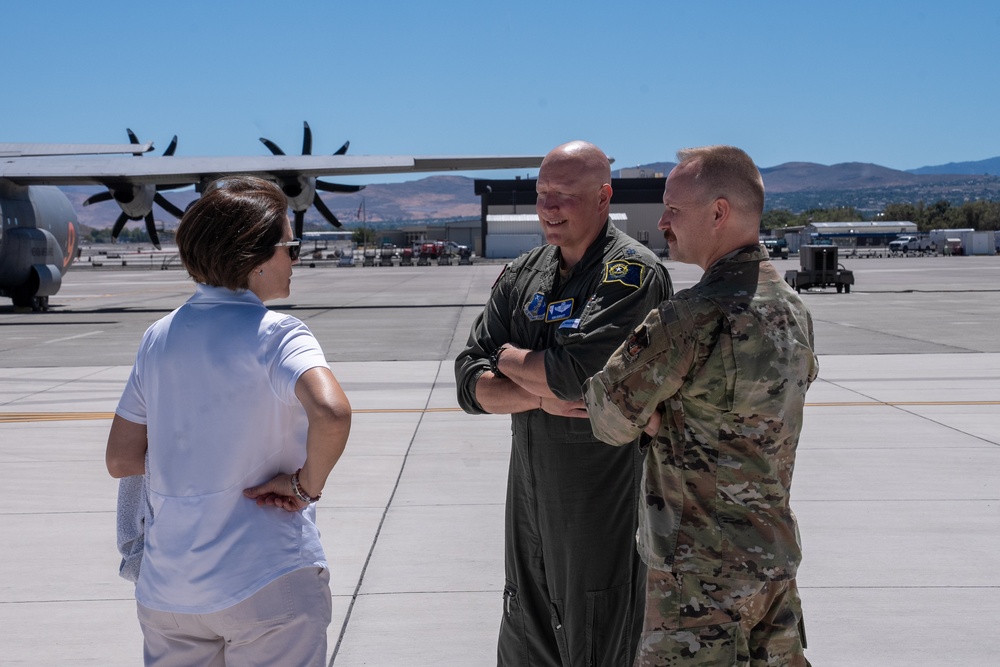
214, 382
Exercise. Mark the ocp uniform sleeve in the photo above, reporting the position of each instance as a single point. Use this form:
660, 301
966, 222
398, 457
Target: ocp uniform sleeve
647, 369
611, 312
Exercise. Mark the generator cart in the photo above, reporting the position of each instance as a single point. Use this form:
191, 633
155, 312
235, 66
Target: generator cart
818, 267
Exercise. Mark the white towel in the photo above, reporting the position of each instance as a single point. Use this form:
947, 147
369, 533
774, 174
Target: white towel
134, 513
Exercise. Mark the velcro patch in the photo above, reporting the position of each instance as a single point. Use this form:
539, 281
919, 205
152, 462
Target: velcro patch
636, 342
626, 273
559, 310
535, 309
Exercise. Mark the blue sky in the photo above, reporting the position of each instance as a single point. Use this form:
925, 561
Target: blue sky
900, 84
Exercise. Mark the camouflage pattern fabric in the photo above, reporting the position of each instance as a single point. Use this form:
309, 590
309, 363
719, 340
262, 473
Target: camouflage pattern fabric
704, 623
728, 362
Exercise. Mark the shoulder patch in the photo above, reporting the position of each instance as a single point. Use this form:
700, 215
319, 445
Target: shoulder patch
535, 309
624, 272
636, 342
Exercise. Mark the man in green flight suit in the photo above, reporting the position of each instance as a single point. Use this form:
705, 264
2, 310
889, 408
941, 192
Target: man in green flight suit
573, 592
717, 377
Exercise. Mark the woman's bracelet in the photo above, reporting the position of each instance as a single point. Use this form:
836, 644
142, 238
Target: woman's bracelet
300, 492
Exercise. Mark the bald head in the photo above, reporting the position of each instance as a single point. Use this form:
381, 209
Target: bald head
584, 157
574, 197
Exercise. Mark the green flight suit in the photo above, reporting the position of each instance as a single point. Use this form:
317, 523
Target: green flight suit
574, 583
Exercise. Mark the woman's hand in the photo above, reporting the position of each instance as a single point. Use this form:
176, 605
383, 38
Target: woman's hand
276, 492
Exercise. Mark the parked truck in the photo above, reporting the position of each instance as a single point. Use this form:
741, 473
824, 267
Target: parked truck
908, 243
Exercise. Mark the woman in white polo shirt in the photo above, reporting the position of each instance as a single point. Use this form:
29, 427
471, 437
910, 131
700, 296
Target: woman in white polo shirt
244, 422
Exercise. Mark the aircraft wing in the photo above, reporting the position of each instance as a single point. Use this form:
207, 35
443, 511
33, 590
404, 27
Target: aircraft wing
31, 150
174, 170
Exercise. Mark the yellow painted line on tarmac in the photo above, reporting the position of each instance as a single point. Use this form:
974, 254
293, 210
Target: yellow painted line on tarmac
28, 417
16, 417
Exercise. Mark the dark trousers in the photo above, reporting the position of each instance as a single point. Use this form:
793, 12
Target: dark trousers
574, 592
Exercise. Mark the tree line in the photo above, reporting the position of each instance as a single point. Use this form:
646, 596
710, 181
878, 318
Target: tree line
979, 215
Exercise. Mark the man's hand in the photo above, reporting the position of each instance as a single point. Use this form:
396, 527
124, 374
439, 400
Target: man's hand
559, 408
653, 425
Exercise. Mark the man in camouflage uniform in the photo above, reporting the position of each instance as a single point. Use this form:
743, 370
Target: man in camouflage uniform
717, 376
573, 595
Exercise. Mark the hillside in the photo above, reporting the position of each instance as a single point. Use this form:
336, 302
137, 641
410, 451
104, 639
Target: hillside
989, 166
797, 186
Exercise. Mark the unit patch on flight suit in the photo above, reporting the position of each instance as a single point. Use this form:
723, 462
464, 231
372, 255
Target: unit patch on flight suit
636, 342
626, 273
535, 309
560, 310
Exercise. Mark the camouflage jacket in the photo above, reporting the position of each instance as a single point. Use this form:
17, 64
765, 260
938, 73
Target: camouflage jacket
578, 320
727, 362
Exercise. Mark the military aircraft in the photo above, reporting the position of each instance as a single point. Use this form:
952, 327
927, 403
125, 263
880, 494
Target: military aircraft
38, 235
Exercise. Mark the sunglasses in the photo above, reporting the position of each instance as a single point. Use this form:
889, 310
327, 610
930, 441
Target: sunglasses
294, 246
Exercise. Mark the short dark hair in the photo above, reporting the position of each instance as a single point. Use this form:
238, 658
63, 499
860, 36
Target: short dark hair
231, 230
727, 171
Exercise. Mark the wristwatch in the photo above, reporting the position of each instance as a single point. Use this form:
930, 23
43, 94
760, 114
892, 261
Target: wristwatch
495, 361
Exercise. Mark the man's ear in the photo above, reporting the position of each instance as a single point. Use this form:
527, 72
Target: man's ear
721, 210
604, 198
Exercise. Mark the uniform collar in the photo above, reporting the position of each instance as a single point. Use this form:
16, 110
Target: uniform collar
750, 253
595, 251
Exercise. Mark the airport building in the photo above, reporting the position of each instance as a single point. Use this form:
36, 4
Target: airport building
874, 234
636, 207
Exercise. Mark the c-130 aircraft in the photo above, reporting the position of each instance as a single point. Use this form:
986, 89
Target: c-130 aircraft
38, 226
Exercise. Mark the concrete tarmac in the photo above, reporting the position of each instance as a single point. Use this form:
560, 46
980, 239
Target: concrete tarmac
896, 485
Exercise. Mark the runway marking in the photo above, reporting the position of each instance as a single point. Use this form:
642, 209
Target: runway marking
83, 335
28, 417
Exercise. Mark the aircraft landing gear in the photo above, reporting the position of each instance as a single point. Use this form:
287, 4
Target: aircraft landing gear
37, 304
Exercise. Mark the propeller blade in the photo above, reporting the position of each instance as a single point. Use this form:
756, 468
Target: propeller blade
300, 221
171, 148
271, 146
337, 187
99, 197
307, 139
325, 212
168, 206
131, 136
151, 229
343, 149
119, 226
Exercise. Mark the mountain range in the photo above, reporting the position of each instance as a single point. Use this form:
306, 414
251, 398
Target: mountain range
796, 186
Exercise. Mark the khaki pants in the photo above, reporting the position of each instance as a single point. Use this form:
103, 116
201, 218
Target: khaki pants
284, 623
720, 623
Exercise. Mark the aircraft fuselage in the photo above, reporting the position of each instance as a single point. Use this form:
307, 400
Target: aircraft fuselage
38, 242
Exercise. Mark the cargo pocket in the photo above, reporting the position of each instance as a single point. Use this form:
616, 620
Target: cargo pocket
512, 646
609, 617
